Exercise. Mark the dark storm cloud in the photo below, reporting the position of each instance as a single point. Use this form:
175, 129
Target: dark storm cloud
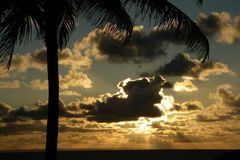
142, 47
38, 113
183, 65
142, 95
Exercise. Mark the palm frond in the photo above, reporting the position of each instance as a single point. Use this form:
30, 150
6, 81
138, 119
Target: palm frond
15, 27
199, 2
165, 15
9, 35
70, 13
38, 15
110, 16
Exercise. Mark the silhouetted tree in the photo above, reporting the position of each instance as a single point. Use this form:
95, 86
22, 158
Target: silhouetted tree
54, 21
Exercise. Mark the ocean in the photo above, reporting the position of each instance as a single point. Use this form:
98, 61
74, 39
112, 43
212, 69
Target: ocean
127, 155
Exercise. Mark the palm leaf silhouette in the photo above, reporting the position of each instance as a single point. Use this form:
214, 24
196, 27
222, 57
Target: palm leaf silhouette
165, 15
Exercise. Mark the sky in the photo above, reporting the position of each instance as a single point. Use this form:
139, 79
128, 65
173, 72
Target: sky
149, 94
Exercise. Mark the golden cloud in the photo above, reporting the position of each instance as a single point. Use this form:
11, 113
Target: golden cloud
10, 84
38, 60
70, 93
74, 79
39, 84
221, 25
3, 73
185, 86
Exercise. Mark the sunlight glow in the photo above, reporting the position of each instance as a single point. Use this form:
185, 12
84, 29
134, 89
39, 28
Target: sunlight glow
184, 86
165, 105
143, 125
120, 86
167, 102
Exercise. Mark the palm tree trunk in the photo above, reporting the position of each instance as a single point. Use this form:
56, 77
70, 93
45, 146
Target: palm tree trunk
53, 83
53, 99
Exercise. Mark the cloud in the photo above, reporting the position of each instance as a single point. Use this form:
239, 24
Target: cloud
38, 60
72, 79
4, 108
192, 105
185, 86
20, 63
167, 85
3, 73
225, 108
39, 84
188, 106
67, 57
136, 138
136, 98
74, 59
32, 60
40, 126
183, 65
16, 128
220, 25
70, 93
211, 118
142, 47
22, 114
38, 112
10, 84
181, 137
226, 96
32, 119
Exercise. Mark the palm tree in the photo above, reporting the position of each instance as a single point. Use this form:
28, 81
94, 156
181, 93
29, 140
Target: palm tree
55, 20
